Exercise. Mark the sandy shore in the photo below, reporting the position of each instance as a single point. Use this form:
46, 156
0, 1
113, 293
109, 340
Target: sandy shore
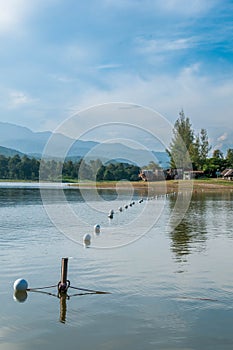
213, 185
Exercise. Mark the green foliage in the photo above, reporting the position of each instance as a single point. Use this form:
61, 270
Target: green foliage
229, 158
25, 168
188, 150
152, 166
15, 168
215, 164
181, 143
117, 172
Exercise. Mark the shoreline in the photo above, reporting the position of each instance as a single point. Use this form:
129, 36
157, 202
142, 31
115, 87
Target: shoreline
212, 185
161, 187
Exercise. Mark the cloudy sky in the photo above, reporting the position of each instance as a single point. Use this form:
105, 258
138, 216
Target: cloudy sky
60, 56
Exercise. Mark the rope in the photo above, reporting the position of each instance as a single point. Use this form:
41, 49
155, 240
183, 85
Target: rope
90, 290
34, 289
80, 294
63, 287
47, 293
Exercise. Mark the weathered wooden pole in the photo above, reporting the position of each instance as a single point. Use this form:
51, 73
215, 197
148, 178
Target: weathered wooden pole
64, 270
64, 283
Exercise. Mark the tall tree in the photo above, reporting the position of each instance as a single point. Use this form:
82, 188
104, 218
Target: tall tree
199, 150
229, 158
181, 145
204, 146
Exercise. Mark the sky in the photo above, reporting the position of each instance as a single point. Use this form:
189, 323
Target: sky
58, 57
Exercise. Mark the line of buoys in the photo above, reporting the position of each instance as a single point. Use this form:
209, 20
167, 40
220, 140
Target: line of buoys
87, 237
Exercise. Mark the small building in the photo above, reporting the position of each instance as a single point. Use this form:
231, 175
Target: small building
192, 174
227, 174
150, 175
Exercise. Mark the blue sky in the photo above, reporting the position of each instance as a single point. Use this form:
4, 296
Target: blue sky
60, 56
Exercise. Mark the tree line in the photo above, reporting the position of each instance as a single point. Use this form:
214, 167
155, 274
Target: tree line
188, 150
25, 168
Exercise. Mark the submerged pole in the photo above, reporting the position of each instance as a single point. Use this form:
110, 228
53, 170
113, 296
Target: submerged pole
63, 308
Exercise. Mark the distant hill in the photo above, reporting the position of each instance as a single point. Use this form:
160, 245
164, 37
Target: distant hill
8, 152
25, 141
33, 143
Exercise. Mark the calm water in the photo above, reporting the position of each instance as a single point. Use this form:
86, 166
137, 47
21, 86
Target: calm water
170, 289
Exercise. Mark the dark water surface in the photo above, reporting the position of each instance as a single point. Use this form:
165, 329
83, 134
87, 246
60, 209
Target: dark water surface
170, 289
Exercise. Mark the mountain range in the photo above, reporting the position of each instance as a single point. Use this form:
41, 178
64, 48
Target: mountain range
15, 139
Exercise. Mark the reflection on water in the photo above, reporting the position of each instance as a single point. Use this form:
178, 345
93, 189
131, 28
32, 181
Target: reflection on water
191, 232
151, 306
63, 308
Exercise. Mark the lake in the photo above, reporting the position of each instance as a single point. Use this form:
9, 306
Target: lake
170, 287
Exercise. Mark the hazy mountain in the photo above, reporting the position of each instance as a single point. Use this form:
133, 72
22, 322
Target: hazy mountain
29, 142
108, 151
8, 152
22, 139
32, 143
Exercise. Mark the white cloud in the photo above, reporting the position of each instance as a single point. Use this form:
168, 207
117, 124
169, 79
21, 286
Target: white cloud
202, 98
19, 99
146, 46
222, 137
62, 78
108, 66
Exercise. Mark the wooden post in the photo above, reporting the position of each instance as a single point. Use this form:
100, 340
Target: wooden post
63, 285
64, 270
62, 289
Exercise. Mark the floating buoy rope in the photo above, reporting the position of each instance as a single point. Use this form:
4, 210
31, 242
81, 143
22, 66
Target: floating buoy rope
38, 288
21, 286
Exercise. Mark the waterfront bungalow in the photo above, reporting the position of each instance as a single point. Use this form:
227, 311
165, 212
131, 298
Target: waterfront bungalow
192, 174
150, 175
227, 174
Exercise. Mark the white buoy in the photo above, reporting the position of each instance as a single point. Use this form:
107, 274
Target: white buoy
126, 206
97, 228
87, 239
20, 285
120, 209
